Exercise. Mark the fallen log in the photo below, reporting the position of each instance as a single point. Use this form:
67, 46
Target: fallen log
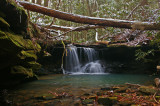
90, 20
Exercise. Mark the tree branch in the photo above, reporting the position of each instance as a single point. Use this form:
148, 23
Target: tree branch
80, 28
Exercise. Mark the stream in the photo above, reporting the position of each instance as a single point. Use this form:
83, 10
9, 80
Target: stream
74, 84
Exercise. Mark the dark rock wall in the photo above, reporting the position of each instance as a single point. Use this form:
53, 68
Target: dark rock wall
51, 64
122, 59
18, 54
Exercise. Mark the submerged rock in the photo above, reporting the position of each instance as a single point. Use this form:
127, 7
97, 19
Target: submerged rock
121, 89
88, 101
109, 101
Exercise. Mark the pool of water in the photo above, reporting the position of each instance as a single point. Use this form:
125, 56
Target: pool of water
76, 84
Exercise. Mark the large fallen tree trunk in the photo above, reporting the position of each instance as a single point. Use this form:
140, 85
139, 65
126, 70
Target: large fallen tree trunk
80, 28
90, 20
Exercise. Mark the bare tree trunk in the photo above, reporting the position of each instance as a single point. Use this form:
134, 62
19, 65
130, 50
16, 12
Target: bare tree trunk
89, 8
91, 20
159, 3
33, 1
39, 2
46, 3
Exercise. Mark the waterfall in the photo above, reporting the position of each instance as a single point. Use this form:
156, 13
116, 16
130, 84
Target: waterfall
91, 54
72, 60
82, 60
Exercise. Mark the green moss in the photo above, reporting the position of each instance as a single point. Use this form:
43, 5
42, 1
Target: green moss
27, 55
87, 101
147, 90
17, 40
30, 45
34, 65
18, 8
7, 44
15, 16
20, 42
2, 33
19, 70
3, 23
13, 44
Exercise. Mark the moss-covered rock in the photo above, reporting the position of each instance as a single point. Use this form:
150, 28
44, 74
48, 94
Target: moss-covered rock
107, 101
27, 55
18, 53
15, 15
88, 101
121, 89
34, 65
21, 71
147, 90
3, 23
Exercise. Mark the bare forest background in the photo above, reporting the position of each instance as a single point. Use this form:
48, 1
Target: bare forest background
135, 10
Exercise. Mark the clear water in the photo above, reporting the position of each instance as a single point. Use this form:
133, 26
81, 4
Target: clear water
75, 84
85, 81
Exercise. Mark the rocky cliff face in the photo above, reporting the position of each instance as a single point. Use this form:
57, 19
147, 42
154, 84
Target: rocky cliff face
17, 50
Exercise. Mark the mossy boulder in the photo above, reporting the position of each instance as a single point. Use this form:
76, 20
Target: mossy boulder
108, 101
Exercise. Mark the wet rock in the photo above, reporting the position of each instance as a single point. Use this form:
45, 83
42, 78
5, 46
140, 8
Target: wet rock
109, 101
106, 88
86, 94
93, 97
99, 93
121, 89
147, 90
77, 103
125, 103
46, 98
88, 101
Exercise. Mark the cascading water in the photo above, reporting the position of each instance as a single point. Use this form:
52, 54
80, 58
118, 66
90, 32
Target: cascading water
74, 62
